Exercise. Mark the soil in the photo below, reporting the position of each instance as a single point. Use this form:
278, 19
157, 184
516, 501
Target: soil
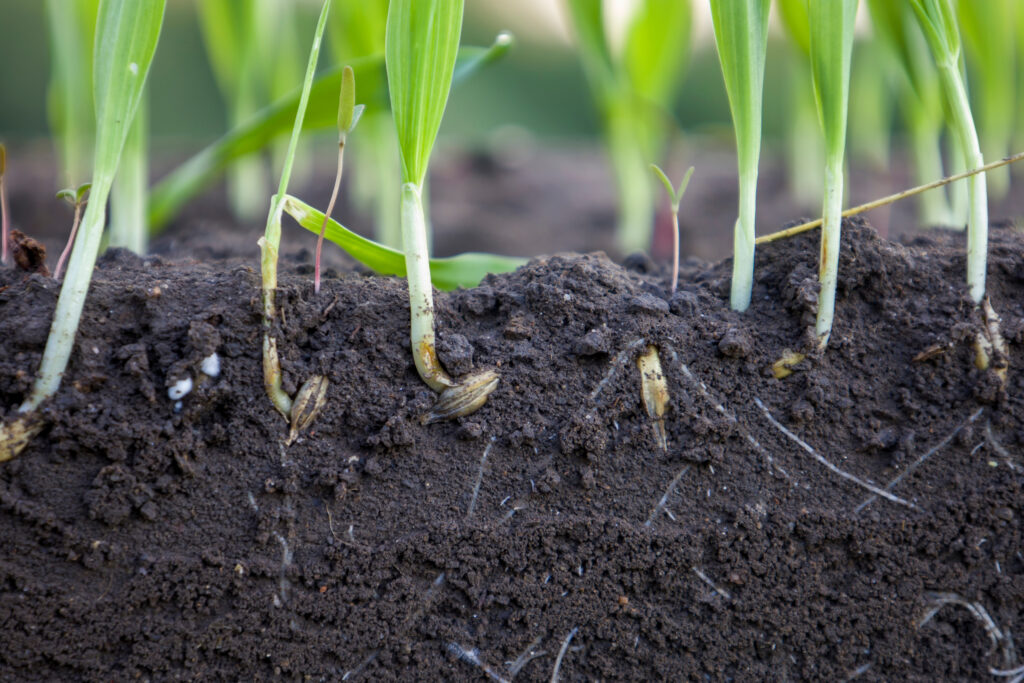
860, 518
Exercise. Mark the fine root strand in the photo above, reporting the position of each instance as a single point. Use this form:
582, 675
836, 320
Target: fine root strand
479, 479
617, 364
714, 587
668, 492
561, 654
978, 611
472, 656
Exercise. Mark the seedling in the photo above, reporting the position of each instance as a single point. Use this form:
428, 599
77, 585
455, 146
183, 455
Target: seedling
348, 117
940, 29
675, 196
741, 34
805, 153
270, 244
4, 225
633, 90
77, 198
420, 48
831, 26
127, 32
130, 193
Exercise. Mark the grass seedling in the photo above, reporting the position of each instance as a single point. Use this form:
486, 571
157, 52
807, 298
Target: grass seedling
4, 224
675, 196
129, 196
126, 37
420, 47
77, 198
831, 25
741, 35
634, 89
348, 117
938, 22
804, 153
270, 244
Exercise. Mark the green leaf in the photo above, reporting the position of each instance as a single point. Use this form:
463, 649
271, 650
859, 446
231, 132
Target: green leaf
674, 195
197, 173
464, 270
831, 25
656, 50
588, 24
347, 102
793, 14
357, 29
421, 45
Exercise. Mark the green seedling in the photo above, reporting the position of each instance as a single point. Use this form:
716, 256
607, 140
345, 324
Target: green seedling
741, 34
675, 196
938, 22
127, 32
4, 224
420, 47
831, 26
76, 197
633, 91
464, 270
348, 117
253, 136
129, 195
270, 244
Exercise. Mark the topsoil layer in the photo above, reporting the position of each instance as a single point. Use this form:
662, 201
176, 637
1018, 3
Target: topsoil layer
859, 518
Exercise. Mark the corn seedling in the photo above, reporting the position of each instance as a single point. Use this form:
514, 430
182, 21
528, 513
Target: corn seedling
871, 111
421, 43
831, 26
919, 96
348, 117
938, 22
4, 224
675, 196
128, 197
276, 120
988, 33
270, 244
741, 35
231, 34
77, 199
126, 37
633, 90
277, 24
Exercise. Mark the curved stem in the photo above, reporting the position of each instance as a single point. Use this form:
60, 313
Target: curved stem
327, 216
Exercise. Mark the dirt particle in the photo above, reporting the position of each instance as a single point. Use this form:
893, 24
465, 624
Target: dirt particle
456, 353
594, 342
735, 343
648, 303
29, 254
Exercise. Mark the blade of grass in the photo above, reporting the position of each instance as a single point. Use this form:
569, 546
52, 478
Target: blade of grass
187, 180
126, 36
831, 25
741, 35
130, 192
464, 270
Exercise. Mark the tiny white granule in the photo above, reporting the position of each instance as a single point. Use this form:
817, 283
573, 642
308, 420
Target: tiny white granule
180, 389
134, 68
211, 365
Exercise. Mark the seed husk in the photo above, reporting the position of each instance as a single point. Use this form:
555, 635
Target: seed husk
783, 367
464, 398
307, 405
17, 434
989, 345
654, 392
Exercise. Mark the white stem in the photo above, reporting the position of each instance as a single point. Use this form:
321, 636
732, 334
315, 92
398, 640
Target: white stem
743, 241
828, 264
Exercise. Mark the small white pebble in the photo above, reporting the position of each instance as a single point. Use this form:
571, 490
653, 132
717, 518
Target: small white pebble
180, 389
211, 365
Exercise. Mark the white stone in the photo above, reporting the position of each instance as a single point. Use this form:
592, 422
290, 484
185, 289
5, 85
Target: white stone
211, 365
180, 389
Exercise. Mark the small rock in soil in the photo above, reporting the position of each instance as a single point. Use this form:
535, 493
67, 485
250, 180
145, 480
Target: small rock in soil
29, 254
648, 303
456, 353
683, 303
735, 343
594, 342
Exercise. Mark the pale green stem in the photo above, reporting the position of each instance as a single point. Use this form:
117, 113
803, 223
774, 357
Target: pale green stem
828, 263
743, 240
128, 199
925, 130
421, 293
977, 191
959, 200
636, 194
806, 150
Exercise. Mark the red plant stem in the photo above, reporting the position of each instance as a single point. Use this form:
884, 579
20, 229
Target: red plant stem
327, 217
4, 227
675, 250
71, 240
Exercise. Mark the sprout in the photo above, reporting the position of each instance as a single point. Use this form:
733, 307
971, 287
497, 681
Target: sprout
4, 225
130, 193
675, 196
741, 34
420, 48
126, 36
77, 198
831, 25
940, 29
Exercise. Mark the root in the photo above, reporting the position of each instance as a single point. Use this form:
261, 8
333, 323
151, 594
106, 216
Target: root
527, 656
714, 587
618, 363
561, 654
479, 479
668, 492
1000, 449
473, 657
978, 611
842, 473
917, 463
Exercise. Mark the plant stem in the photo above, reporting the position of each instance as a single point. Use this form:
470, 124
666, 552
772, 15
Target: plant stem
743, 240
925, 146
421, 293
128, 198
636, 196
828, 264
71, 240
327, 215
675, 250
4, 210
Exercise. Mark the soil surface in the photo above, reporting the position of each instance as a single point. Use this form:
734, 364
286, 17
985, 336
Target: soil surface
859, 518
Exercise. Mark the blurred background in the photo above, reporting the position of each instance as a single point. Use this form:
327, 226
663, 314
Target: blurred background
521, 166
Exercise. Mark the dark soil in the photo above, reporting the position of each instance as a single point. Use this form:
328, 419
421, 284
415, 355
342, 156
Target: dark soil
147, 541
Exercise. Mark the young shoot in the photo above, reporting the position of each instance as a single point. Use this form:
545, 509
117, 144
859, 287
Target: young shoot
938, 21
270, 243
4, 225
348, 117
421, 43
831, 25
126, 37
741, 35
675, 196
77, 198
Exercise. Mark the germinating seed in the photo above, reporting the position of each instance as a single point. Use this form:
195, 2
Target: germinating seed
211, 365
180, 389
